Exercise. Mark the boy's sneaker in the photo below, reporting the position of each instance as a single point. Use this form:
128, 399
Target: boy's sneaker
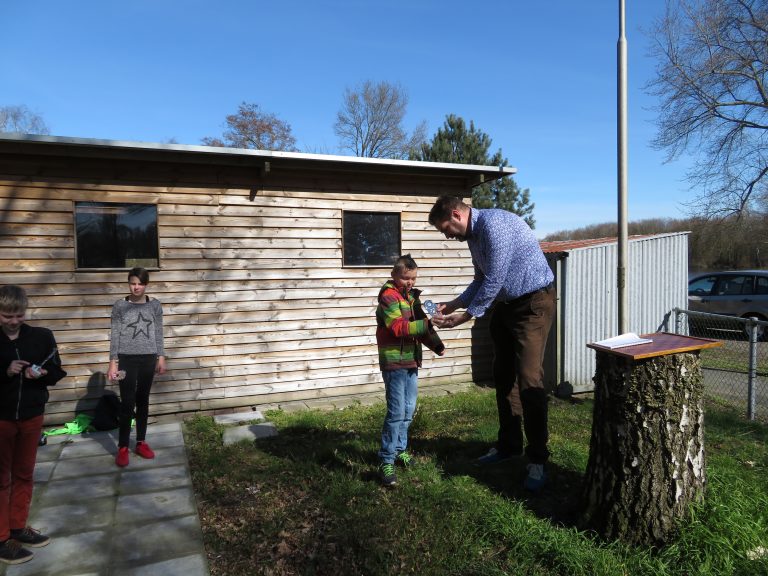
122, 456
30, 537
388, 476
536, 478
143, 450
12, 552
404, 458
495, 457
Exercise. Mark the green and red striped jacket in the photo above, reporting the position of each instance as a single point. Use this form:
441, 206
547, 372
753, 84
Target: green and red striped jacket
402, 327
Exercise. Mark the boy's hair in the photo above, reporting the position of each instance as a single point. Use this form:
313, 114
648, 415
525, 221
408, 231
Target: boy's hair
13, 299
140, 273
443, 207
405, 262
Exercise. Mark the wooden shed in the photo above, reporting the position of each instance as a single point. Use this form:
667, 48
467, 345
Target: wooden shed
268, 264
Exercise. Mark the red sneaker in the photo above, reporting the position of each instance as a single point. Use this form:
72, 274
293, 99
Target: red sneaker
122, 457
143, 450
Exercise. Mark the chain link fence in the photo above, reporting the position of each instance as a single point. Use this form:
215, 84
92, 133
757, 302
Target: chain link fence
737, 371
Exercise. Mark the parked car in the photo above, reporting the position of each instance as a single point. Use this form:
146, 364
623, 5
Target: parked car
742, 293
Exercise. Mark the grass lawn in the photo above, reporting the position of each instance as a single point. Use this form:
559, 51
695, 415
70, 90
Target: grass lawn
308, 501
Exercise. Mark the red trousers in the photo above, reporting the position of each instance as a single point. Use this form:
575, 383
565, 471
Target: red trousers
18, 449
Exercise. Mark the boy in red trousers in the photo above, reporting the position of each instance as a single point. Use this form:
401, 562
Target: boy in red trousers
29, 363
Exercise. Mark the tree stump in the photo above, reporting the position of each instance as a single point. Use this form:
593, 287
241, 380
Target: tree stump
646, 456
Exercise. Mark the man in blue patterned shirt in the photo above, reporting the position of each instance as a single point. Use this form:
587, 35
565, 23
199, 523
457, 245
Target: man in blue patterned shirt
512, 275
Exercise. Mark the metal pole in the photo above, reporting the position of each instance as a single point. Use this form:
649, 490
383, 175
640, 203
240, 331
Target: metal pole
751, 326
621, 275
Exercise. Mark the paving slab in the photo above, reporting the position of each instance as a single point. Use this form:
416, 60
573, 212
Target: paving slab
250, 432
158, 541
79, 489
91, 514
43, 471
68, 555
238, 417
155, 506
194, 565
154, 479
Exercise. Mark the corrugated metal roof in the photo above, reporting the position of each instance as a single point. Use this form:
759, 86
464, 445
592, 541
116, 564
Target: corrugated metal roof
569, 245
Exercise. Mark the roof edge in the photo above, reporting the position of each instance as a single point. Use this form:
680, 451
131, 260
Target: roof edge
244, 153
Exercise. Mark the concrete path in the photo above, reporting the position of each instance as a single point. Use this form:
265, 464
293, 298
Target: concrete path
110, 521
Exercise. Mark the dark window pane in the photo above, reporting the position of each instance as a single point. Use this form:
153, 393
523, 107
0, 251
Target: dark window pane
116, 235
702, 286
371, 238
729, 285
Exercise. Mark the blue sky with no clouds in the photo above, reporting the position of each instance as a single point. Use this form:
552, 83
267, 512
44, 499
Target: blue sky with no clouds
538, 77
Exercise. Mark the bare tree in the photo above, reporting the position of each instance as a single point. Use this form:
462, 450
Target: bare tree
370, 122
253, 128
21, 119
714, 100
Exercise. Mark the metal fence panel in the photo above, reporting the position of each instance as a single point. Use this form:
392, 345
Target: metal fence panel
737, 371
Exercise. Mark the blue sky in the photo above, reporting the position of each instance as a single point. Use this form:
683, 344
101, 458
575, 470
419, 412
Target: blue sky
538, 77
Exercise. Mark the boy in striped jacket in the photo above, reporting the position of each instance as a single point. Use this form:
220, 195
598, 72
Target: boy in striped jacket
402, 327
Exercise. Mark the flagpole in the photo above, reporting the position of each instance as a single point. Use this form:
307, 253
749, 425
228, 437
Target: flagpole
623, 244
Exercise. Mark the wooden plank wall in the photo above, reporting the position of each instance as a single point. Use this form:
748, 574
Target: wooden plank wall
258, 308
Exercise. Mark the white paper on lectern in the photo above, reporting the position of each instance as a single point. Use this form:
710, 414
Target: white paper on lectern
628, 339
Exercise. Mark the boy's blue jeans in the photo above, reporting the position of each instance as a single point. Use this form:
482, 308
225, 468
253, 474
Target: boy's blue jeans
401, 390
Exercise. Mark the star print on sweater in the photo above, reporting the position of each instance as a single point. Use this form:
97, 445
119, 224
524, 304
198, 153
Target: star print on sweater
140, 326
137, 328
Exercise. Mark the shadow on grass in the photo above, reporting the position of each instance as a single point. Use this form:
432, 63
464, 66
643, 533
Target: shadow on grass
559, 501
350, 453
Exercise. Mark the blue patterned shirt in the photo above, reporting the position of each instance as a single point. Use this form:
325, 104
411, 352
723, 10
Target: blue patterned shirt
507, 258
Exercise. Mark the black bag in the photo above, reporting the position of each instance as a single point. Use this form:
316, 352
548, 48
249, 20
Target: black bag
107, 413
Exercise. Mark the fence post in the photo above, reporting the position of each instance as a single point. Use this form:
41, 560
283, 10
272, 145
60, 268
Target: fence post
678, 321
752, 331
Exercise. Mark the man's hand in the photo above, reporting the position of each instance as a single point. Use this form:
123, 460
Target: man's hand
445, 308
451, 320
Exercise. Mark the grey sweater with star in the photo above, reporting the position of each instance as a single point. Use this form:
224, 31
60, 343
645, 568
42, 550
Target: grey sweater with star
136, 328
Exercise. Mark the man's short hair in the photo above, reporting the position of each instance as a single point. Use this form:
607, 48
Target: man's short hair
405, 262
13, 299
443, 207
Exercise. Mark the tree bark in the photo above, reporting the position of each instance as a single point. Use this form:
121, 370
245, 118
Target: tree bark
646, 458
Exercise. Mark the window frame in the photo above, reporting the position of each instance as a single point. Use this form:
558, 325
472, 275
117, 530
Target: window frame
399, 241
77, 203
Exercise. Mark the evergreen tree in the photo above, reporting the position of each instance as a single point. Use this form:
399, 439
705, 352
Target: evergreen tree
459, 144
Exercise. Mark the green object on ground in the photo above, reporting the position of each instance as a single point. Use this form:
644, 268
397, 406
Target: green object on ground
81, 423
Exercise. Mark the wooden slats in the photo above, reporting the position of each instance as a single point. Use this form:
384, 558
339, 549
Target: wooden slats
257, 305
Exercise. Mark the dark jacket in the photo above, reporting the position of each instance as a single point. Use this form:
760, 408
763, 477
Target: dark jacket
21, 398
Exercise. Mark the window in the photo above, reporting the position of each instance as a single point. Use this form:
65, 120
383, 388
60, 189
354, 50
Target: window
371, 238
110, 235
730, 285
701, 286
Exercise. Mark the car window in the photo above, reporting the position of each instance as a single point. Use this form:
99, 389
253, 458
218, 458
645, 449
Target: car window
733, 285
701, 286
761, 284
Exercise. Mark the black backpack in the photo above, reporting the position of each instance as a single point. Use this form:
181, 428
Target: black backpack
107, 413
